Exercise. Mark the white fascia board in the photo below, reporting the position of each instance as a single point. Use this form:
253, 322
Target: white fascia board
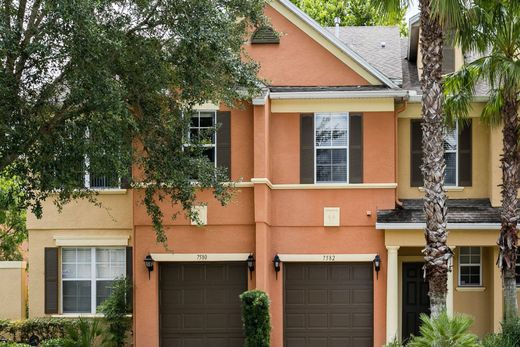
453, 226
338, 43
415, 98
399, 93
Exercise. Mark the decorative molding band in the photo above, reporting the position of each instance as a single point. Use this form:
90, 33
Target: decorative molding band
327, 258
454, 226
199, 257
323, 185
13, 264
91, 240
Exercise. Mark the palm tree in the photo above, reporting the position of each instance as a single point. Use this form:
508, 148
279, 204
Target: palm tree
435, 15
493, 31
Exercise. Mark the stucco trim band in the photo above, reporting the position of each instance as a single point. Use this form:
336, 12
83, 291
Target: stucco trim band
327, 257
312, 105
199, 257
91, 240
324, 185
13, 264
457, 226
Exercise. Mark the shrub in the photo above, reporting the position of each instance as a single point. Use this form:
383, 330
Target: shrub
256, 319
444, 332
116, 309
85, 333
394, 343
510, 335
42, 328
13, 344
53, 343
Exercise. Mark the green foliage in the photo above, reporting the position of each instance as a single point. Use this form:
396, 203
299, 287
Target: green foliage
350, 12
12, 220
43, 328
83, 79
13, 344
256, 319
53, 343
394, 343
509, 336
445, 332
85, 333
116, 308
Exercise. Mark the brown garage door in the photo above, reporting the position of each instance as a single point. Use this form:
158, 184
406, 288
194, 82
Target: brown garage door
328, 305
199, 304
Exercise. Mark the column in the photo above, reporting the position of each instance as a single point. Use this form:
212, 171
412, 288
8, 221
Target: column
449, 294
392, 294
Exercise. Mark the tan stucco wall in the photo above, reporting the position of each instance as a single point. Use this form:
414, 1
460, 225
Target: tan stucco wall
13, 291
78, 219
480, 158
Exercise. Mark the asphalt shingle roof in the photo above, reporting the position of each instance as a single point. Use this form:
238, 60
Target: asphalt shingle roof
459, 211
367, 42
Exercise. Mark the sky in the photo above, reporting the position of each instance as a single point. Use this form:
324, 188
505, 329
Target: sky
413, 9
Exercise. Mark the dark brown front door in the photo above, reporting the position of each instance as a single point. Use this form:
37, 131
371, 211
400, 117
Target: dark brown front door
415, 298
328, 304
199, 304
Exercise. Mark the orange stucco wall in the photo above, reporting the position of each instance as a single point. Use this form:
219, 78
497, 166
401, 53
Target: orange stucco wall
299, 60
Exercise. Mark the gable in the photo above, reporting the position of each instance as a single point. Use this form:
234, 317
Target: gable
304, 57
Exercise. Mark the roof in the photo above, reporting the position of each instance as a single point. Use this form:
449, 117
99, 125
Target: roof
339, 44
459, 211
410, 74
378, 45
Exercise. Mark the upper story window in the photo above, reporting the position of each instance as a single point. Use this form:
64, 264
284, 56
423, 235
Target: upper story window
202, 130
470, 266
457, 155
87, 275
331, 138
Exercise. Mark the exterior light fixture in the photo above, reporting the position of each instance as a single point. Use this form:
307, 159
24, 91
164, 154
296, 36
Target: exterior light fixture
377, 265
276, 263
148, 262
251, 265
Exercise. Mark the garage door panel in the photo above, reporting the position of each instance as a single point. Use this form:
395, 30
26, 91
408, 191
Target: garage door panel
201, 307
332, 309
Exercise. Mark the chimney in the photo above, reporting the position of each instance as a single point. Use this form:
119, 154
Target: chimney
336, 25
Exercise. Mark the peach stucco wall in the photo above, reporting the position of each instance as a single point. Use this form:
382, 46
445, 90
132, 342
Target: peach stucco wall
299, 60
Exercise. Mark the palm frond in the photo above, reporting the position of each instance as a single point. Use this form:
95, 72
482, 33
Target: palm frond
390, 9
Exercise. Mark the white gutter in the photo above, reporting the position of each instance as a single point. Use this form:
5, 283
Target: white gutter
453, 226
394, 93
261, 99
338, 43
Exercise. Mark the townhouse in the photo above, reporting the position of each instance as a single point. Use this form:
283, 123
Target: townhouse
327, 217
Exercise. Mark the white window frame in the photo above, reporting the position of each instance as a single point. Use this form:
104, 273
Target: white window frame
456, 151
93, 278
460, 265
316, 147
214, 145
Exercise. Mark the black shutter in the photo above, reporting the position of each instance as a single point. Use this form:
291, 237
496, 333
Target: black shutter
224, 140
51, 280
448, 59
465, 162
129, 273
416, 179
355, 149
307, 148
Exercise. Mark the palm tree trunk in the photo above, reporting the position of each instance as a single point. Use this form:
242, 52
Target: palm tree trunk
507, 241
436, 252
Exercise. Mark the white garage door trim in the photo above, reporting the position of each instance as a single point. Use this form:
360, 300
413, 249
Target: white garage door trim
327, 257
199, 257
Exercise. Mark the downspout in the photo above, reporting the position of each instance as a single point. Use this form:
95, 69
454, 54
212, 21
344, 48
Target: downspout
398, 202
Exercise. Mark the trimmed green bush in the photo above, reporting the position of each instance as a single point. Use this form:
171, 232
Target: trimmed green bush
256, 318
53, 343
116, 309
445, 332
43, 328
13, 344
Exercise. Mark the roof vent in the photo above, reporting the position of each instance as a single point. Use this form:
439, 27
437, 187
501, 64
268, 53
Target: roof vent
265, 35
337, 20
383, 44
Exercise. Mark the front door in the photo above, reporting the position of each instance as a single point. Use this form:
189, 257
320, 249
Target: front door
415, 299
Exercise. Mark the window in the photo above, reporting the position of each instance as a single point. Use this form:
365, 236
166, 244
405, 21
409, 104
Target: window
87, 275
202, 130
331, 138
470, 269
451, 156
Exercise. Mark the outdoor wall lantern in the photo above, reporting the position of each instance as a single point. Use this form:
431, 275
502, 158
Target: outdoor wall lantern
251, 265
377, 265
276, 263
148, 262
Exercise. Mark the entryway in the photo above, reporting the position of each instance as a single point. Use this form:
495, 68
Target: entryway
415, 299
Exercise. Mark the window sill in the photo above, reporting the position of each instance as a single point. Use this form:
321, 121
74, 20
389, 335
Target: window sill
82, 315
447, 189
110, 191
470, 289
